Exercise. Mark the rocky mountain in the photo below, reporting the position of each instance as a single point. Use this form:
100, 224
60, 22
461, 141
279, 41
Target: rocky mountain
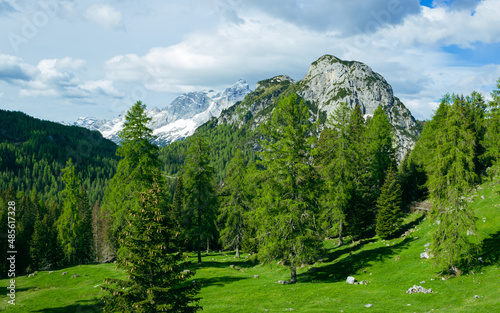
179, 119
329, 82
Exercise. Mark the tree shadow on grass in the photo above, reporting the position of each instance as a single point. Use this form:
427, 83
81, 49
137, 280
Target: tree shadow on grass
406, 227
4, 290
82, 306
217, 264
219, 281
490, 252
351, 264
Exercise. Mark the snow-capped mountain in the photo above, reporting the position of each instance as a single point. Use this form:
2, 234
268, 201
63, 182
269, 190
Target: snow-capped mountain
177, 120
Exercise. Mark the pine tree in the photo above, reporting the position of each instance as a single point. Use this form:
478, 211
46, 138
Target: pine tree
200, 203
451, 178
151, 258
389, 206
287, 216
235, 204
138, 168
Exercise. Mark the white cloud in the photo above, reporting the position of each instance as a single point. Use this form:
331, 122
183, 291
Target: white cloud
105, 15
14, 69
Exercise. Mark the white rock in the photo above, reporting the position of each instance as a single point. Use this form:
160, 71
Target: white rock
350, 280
368, 305
424, 255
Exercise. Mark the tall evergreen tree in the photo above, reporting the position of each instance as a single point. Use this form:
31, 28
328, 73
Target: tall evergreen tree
72, 225
287, 218
151, 258
235, 204
381, 150
200, 205
138, 168
334, 157
451, 177
389, 206
178, 202
492, 136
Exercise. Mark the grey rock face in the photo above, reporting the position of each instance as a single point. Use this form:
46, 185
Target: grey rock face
331, 81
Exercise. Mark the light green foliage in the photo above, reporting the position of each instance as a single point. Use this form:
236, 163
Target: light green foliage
287, 217
389, 206
451, 178
151, 258
200, 203
333, 158
234, 204
492, 136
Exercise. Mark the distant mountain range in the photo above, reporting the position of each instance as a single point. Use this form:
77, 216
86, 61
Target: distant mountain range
328, 82
179, 119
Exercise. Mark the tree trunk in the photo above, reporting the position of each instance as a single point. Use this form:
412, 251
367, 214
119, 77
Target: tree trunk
208, 245
237, 252
341, 242
199, 249
293, 274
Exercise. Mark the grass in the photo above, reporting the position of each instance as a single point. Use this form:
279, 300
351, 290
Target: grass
390, 267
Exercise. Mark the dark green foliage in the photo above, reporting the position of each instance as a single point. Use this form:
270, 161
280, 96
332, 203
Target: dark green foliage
381, 149
200, 203
138, 168
74, 224
389, 206
152, 260
287, 214
33, 152
234, 204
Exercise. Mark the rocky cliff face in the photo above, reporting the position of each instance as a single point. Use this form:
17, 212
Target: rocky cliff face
329, 82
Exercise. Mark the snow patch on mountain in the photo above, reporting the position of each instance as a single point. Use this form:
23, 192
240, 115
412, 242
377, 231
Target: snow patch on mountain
179, 119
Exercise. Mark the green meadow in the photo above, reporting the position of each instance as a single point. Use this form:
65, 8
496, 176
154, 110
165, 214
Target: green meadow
390, 267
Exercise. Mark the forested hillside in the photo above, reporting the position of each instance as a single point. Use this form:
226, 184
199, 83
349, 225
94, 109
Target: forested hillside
33, 152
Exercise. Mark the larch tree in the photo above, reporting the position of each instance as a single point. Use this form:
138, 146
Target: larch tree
333, 156
287, 216
451, 177
200, 203
492, 136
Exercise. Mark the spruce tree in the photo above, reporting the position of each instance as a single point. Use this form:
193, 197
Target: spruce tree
389, 206
150, 255
138, 168
235, 204
451, 178
381, 150
200, 203
287, 216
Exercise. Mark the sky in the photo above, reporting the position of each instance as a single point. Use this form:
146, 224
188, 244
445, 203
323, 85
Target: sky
64, 59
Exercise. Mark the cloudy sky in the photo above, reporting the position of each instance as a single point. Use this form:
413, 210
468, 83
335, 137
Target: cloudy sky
61, 59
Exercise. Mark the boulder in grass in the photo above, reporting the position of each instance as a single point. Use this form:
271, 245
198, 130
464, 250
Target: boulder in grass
369, 305
64, 273
255, 276
424, 255
418, 289
75, 276
350, 280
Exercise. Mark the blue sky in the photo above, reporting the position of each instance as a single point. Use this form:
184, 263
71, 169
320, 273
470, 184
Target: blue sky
61, 59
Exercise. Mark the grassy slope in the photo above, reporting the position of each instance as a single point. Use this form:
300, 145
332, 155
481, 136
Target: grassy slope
391, 267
